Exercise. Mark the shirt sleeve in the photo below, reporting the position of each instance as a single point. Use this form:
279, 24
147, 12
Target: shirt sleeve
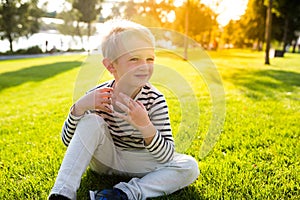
71, 122
69, 127
162, 146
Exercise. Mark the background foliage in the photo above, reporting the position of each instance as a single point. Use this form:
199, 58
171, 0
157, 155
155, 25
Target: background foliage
21, 18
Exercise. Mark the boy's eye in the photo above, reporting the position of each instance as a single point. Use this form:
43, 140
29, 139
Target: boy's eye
150, 59
133, 59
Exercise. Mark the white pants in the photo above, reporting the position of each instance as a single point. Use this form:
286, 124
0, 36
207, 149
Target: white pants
92, 145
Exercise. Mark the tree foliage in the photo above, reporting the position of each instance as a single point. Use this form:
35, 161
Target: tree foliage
233, 34
78, 21
201, 21
286, 21
71, 23
253, 22
250, 29
18, 18
152, 13
89, 10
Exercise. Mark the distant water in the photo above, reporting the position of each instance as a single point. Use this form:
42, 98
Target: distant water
55, 40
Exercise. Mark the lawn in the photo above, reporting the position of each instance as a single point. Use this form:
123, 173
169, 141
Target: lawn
255, 157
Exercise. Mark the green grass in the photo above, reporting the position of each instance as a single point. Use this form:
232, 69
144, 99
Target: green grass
256, 157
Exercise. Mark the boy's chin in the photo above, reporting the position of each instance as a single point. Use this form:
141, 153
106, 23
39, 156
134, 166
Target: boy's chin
139, 83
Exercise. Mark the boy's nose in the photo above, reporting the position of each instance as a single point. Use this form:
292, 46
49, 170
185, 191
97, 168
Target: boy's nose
143, 66
143, 62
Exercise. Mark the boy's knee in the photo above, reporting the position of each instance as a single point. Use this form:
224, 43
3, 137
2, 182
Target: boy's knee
190, 166
193, 167
92, 120
91, 123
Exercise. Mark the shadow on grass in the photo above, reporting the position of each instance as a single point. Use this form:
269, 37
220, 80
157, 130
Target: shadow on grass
266, 83
94, 181
35, 73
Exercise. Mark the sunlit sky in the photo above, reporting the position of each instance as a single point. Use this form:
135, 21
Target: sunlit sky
227, 9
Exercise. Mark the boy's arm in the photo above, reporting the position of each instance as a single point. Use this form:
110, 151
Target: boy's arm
69, 127
98, 98
162, 145
153, 123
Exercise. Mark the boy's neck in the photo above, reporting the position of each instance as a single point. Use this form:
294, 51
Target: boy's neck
126, 89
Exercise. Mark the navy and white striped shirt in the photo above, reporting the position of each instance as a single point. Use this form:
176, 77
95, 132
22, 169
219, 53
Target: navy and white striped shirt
127, 137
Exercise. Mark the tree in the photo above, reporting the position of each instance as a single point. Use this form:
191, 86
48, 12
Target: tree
89, 10
195, 20
71, 23
201, 20
18, 18
139, 12
72, 26
286, 21
253, 23
268, 31
149, 12
234, 34
285, 16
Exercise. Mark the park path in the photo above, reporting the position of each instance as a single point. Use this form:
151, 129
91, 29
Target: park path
13, 57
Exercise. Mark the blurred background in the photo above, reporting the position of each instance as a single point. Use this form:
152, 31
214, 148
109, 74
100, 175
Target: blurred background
48, 26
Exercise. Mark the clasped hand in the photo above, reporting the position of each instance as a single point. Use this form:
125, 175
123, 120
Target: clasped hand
99, 99
135, 114
134, 111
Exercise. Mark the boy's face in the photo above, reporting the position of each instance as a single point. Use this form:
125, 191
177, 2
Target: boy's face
135, 67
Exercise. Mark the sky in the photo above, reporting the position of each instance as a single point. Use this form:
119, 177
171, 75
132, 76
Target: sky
227, 9
53, 5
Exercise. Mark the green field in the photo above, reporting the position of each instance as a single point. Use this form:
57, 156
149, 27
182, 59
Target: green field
256, 156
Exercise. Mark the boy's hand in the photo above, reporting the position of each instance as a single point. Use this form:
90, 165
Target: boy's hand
137, 115
99, 99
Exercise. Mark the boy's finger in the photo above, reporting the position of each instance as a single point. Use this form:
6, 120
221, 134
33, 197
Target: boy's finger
140, 104
125, 97
106, 95
106, 89
105, 101
122, 107
108, 108
117, 114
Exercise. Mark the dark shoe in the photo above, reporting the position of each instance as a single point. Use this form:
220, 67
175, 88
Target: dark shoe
58, 197
114, 194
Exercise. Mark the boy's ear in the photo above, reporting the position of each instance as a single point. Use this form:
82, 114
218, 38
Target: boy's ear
108, 65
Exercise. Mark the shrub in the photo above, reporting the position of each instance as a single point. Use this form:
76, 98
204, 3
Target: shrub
34, 50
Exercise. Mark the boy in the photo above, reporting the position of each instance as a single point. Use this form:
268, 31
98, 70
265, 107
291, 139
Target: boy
122, 126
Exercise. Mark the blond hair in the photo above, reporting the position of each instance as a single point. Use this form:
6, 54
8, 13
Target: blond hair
122, 36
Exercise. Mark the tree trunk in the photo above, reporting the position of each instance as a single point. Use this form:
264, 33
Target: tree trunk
268, 32
259, 45
10, 44
79, 34
89, 34
185, 56
294, 47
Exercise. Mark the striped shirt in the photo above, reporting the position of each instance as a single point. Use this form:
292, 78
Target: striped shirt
124, 135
